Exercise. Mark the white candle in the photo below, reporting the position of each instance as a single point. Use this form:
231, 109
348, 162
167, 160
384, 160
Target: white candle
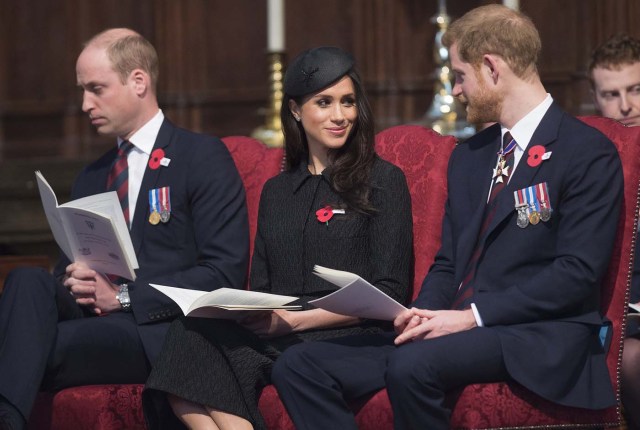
275, 25
513, 4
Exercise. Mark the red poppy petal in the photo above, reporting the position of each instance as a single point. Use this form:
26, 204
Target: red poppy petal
324, 214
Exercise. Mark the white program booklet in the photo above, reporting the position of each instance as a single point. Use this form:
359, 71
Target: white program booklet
224, 302
91, 230
356, 297
635, 309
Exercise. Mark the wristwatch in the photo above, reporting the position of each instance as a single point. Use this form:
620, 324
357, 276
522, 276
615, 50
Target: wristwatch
123, 298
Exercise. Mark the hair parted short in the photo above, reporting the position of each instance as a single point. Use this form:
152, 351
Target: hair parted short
128, 51
499, 30
619, 50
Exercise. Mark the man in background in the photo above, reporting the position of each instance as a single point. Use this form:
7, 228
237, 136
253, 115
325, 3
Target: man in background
79, 327
614, 73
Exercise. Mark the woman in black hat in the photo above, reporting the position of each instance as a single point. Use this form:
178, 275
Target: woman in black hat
336, 205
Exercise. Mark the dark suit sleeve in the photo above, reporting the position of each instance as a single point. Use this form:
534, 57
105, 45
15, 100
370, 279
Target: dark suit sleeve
391, 234
587, 213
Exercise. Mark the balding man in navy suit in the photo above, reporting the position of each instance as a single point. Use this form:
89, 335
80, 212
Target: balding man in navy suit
192, 234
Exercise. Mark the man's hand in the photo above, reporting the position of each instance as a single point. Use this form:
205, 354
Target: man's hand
417, 324
271, 323
407, 320
91, 288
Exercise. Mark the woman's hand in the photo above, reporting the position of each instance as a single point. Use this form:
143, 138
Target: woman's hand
271, 323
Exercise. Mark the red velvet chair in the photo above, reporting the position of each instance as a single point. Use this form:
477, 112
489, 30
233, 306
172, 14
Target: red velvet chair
509, 406
256, 163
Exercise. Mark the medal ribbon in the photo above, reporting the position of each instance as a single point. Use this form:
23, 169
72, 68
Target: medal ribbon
533, 198
153, 201
525, 200
165, 199
542, 192
517, 197
510, 147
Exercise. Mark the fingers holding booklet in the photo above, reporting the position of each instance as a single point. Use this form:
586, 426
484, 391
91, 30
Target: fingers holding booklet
225, 303
355, 297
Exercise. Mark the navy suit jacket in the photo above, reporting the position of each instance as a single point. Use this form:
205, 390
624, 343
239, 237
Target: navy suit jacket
538, 286
205, 244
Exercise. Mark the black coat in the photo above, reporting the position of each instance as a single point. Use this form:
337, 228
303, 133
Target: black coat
290, 239
222, 364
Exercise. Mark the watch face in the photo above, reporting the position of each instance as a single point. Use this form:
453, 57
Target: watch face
123, 298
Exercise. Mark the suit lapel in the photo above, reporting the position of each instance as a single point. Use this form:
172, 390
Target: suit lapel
478, 186
149, 181
524, 176
96, 181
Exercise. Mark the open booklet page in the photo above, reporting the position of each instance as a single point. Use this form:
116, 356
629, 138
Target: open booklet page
50, 206
635, 308
91, 230
356, 297
224, 302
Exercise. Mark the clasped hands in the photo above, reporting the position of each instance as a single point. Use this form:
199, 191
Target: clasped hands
91, 289
417, 324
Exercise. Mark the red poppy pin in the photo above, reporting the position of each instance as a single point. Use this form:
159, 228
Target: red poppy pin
536, 155
326, 213
156, 158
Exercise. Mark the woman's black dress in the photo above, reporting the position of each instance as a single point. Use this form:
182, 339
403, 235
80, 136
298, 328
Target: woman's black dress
220, 364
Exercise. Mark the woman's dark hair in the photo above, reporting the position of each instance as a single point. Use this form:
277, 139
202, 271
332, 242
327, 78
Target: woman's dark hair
351, 164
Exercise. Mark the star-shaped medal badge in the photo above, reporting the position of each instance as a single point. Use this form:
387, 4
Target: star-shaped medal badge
501, 170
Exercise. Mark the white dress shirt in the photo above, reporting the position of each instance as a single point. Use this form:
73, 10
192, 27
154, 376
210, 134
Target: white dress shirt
143, 141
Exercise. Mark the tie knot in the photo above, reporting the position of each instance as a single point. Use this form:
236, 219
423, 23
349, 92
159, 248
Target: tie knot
125, 148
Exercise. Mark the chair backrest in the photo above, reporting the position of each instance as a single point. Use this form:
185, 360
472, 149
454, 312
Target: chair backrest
256, 162
423, 156
615, 289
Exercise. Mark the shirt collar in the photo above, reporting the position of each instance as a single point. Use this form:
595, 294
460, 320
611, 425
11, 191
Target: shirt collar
523, 130
146, 136
302, 173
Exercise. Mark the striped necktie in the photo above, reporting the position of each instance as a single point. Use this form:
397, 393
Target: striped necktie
500, 178
118, 179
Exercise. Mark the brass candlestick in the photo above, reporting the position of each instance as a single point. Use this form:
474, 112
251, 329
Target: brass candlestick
271, 132
445, 115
